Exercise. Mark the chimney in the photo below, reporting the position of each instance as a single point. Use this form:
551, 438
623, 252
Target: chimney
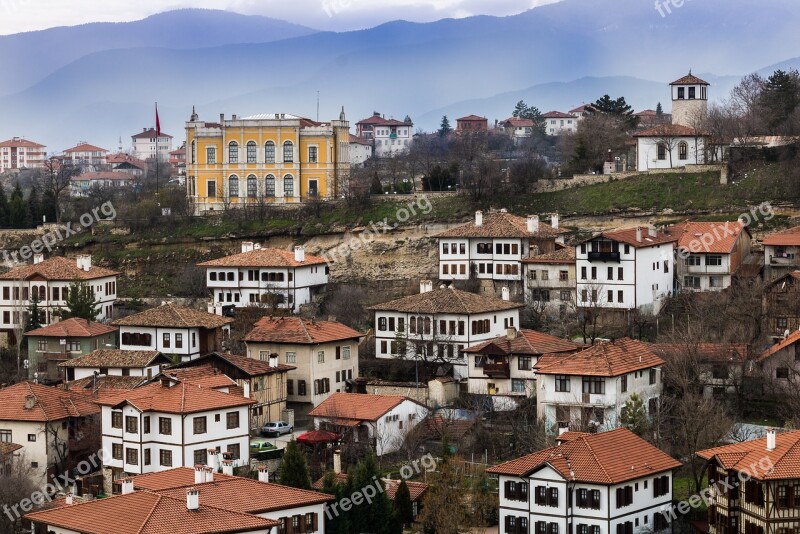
233, 117
771, 439
209, 474
144, 129
273, 359
227, 467
247, 246
478, 218
337, 461
554, 220
299, 254
506, 294
68, 499
38, 258
221, 118
212, 459
511, 333
562, 430
638, 234
533, 224
127, 485
192, 499
199, 474
425, 286
651, 231
263, 473
84, 262
30, 402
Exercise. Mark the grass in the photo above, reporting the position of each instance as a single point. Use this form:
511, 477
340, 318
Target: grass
683, 488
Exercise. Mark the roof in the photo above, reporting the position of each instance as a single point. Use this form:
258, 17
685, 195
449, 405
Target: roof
359, 140
628, 236
471, 118
516, 122
18, 141
205, 376
448, 300
595, 458
299, 330
557, 115
85, 147
416, 489
248, 366
647, 113
49, 403
74, 327
109, 384
613, 358
690, 79
525, 342
500, 224
125, 158
7, 448
582, 108
117, 358
570, 435
762, 464
788, 237
357, 406
707, 352
791, 339
150, 132
180, 398
145, 512
669, 130
57, 268
263, 257
377, 119
565, 256
708, 237
269, 116
102, 175
169, 315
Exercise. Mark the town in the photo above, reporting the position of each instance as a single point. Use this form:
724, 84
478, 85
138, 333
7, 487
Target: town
573, 321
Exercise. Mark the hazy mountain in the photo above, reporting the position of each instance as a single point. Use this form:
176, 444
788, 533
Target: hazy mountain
564, 54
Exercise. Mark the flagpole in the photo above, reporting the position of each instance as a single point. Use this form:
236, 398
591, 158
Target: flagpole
158, 133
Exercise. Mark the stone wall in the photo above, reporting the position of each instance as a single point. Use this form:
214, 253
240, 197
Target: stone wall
582, 180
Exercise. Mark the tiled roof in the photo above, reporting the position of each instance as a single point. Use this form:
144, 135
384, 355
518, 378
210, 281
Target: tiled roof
57, 268
582, 108
109, 384
85, 147
263, 257
707, 237
669, 130
690, 79
706, 352
356, 406
180, 398
570, 435
471, 118
125, 158
20, 142
204, 375
169, 315
609, 457
557, 115
74, 327
117, 358
628, 236
647, 113
565, 256
299, 330
612, 358
793, 338
102, 175
144, 512
416, 489
381, 121
359, 140
147, 134
754, 458
516, 122
7, 448
499, 225
790, 236
49, 403
178, 477
248, 366
526, 342
447, 300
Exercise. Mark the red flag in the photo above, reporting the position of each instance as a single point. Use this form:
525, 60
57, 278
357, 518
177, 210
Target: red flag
158, 123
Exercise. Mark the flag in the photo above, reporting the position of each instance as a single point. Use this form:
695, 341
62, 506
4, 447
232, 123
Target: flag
158, 123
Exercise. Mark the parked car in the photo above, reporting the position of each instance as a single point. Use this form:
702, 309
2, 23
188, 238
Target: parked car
276, 428
259, 445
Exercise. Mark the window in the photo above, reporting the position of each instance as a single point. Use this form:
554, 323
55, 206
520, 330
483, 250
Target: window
312, 154
166, 340
178, 341
233, 152
301, 388
200, 457
346, 352
692, 282
652, 377
32, 437
234, 450
288, 186
660, 486
251, 152
212, 189
291, 357
146, 457
194, 152
623, 383
624, 496
5, 436
583, 273
683, 150
116, 419
714, 260
288, 152
131, 456
211, 156
252, 186
165, 426
594, 384
232, 420
116, 451
524, 363
692, 93
782, 373
517, 385
200, 425
131, 424
321, 356
661, 150
233, 186
269, 152
562, 383
269, 185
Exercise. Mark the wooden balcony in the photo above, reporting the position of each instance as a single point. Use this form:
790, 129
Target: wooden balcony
604, 256
497, 370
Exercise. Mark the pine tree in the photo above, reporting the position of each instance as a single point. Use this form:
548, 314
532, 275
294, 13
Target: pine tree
4, 208
616, 107
403, 508
18, 211
659, 110
376, 517
34, 208
445, 127
634, 415
35, 314
520, 109
48, 206
337, 521
294, 469
80, 303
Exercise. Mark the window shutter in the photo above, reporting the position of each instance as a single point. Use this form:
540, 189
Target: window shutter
620, 496
553, 497
508, 521
315, 525
596, 499
628, 495
656, 486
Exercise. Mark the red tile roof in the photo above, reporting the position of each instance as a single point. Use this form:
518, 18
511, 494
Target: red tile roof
48, 403
515, 122
670, 130
359, 140
793, 338
57, 268
85, 147
609, 457
248, 366
106, 385
613, 358
557, 115
500, 225
471, 118
788, 237
125, 359
299, 330
144, 512
357, 406
263, 257
7, 448
647, 113
102, 175
180, 398
125, 158
17, 142
416, 489
526, 342
690, 79
628, 236
706, 352
754, 458
582, 108
707, 237
151, 132
169, 315
563, 256
74, 327
447, 300
204, 375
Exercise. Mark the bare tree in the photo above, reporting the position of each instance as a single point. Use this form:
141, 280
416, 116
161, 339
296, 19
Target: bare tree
56, 180
16, 484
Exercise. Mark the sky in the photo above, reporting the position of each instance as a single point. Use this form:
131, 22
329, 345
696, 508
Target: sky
338, 15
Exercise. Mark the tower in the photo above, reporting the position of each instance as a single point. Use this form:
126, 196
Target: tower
689, 100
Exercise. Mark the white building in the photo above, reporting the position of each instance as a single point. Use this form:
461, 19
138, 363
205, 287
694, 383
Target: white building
183, 333
587, 390
83, 184
388, 136
625, 269
360, 150
115, 362
550, 282
503, 367
86, 155
382, 420
49, 282
518, 129
709, 253
435, 326
781, 253
19, 153
265, 276
689, 100
557, 123
609, 483
145, 145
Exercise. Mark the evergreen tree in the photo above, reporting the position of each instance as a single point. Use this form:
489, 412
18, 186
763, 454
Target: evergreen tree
48, 206
80, 302
34, 208
780, 97
294, 469
445, 127
519, 109
634, 415
35, 314
659, 110
403, 508
4, 208
617, 107
18, 211
337, 521
524, 111
376, 517
376, 187
444, 510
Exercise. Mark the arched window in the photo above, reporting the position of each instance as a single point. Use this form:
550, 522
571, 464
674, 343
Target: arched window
35, 293
269, 185
251, 152
288, 186
194, 152
269, 152
233, 152
233, 186
412, 325
288, 152
252, 186
683, 150
662, 151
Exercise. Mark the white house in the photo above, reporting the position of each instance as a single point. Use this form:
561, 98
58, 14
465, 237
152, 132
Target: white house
518, 129
115, 362
626, 269
587, 390
360, 150
19, 153
388, 136
608, 483
557, 123
709, 253
83, 184
781, 253
85, 154
48, 281
550, 282
435, 326
265, 276
382, 420
169, 423
182, 333
503, 367
146, 145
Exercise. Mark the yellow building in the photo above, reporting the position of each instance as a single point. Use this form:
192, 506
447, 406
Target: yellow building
264, 158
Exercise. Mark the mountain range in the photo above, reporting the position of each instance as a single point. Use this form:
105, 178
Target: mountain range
98, 82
